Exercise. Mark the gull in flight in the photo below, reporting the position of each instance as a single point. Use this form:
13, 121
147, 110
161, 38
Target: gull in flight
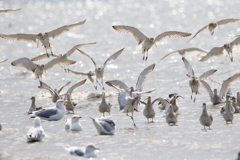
182, 52
214, 96
194, 81
104, 126
36, 133
43, 37
99, 70
8, 10
89, 151
73, 124
147, 42
211, 26
218, 51
206, 118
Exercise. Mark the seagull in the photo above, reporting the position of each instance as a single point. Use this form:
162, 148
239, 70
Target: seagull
89, 152
228, 113
8, 10
38, 69
205, 119
53, 114
36, 133
171, 116
33, 106
147, 42
194, 81
43, 37
3, 61
211, 26
104, 106
214, 96
104, 126
73, 124
183, 51
99, 70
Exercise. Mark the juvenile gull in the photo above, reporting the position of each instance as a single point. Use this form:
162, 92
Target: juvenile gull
205, 119
73, 124
36, 133
211, 26
43, 37
194, 81
89, 151
171, 116
104, 106
147, 42
99, 70
228, 113
33, 106
8, 10
104, 126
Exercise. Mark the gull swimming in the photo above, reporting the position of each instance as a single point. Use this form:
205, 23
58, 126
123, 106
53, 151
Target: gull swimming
8, 10
214, 96
36, 133
182, 52
228, 113
89, 151
104, 126
206, 118
104, 106
194, 81
99, 70
73, 124
211, 26
53, 114
43, 37
33, 106
147, 42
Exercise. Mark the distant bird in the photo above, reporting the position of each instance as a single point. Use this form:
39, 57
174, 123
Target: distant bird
214, 96
43, 37
104, 106
147, 42
171, 116
3, 61
73, 124
229, 111
205, 119
99, 70
8, 10
104, 126
53, 114
89, 151
211, 26
36, 133
234, 104
194, 81
183, 51
33, 106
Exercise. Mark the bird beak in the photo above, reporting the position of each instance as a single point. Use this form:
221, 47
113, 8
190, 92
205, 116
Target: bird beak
79, 117
67, 101
96, 148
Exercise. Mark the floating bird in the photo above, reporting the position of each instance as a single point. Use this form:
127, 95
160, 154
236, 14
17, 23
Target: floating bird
147, 42
3, 61
53, 114
33, 106
43, 37
104, 126
99, 70
36, 133
171, 116
8, 10
194, 81
211, 26
205, 119
183, 51
73, 124
104, 106
89, 152
214, 96
229, 110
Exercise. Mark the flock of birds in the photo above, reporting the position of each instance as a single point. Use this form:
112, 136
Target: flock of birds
129, 98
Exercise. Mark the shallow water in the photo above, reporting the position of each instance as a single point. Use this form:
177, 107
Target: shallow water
155, 140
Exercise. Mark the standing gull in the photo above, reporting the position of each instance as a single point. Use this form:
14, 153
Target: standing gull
147, 42
228, 113
234, 104
148, 111
89, 151
205, 119
171, 116
36, 133
104, 126
73, 124
104, 106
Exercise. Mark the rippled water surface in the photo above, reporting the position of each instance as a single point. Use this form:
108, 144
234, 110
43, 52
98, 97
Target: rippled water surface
155, 140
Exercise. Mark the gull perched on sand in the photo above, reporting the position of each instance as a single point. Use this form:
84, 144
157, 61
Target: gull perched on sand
99, 70
73, 124
104, 106
147, 42
104, 126
33, 106
182, 52
76, 151
214, 96
53, 114
211, 26
43, 37
8, 10
36, 133
229, 111
206, 118
194, 81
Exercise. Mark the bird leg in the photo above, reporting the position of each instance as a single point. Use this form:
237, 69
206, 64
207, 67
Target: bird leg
50, 49
212, 33
191, 95
195, 98
102, 85
132, 119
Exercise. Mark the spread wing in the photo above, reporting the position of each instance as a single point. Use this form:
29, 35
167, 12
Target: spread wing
226, 21
20, 37
188, 67
58, 61
195, 49
207, 74
88, 57
165, 102
216, 51
143, 75
57, 32
199, 32
112, 57
171, 34
9, 10
168, 55
70, 90
64, 86
78, 73
47, 87
206, 86
138, 35
26, 63
118, 84
43, 56
236, 41
76, 47
227, 84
